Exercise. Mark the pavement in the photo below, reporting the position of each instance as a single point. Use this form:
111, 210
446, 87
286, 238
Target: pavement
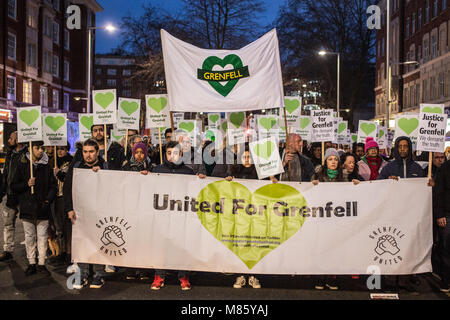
14, 285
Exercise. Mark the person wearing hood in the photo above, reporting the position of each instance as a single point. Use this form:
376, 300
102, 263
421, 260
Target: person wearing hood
10, 209
316, 156
403, 165
371, 163
35, 207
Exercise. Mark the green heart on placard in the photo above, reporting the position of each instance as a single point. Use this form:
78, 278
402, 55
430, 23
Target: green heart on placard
186, 126
381, 133
55, 123
408, 125
87, 122
354, 137
270, 216
304, 122
432, 110
368, 128
225, 126
214, 118
29, 116
291, 105
236, 118
264, 150
104, 99
117, 137
129, 107
157, 104
342, 126
267, 123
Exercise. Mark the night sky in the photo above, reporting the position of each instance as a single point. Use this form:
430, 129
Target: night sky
114, 10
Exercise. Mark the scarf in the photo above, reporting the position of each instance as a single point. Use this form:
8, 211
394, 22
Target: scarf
374, 165
332, 173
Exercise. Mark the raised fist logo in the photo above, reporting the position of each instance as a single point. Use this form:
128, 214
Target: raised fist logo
112, 234
388, 244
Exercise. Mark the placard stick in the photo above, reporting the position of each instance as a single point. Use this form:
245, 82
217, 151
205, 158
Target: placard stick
287, 143
171, 123
31, 165
106, 145
430, 164
160, 146
126, 142
323, 152
55, 155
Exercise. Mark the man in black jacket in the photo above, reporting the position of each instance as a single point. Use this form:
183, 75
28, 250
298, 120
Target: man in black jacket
10, 208
301, 167
35, 204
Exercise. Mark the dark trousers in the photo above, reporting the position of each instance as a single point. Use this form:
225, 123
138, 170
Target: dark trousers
63, 226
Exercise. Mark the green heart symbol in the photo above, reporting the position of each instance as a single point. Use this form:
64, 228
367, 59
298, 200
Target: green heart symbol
267, 123
129, 107
408, 125
29, 116
214, 118
381, 133
304, 122
237, 118
210, 135
291, 105
55, 123
367, 128
117, 137
104, 99
225, 126
342, 126
87, 122
157, 104
264, 150
432, 110
263, 218
186, 126
354, 137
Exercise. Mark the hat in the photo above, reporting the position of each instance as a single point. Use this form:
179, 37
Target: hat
370, 143
331, 152
142, 146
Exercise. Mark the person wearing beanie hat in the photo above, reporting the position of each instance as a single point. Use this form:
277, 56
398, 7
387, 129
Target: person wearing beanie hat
371, 163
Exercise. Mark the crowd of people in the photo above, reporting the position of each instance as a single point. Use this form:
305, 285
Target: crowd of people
44, 201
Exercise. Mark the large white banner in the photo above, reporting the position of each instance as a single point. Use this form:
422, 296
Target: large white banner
181, 222
205, 80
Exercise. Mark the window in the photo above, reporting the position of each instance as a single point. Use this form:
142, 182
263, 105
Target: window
127, 93
444, 5
413, 24
98, 82
47, 62
126, 72
419, 54
425, 50
99, 71
443, 40
111, 82
47, 26
419, 19
112, 72
55, 99
126, 83
405, 98
435, 8
66, 39
11, 88
55, 33
27, 91
56, 5
32, 17
43, 94
441, 85
66, 71
424, 90
66, 101
411, 96
432, 88
11, 46
407, 28
427, 11
433, 46
12, 9
417, 94
32, 54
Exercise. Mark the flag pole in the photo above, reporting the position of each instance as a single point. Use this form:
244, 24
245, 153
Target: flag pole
287, 143
160, 146
106, 145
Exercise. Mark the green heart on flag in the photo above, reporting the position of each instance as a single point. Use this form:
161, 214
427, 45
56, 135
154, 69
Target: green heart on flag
157, 104
186, 126
291, 105
381, 133
236, 118
104, 99
55, 123
267, 123
304, 122
129, 107
368, 128
264, 150
214, 118
354, 137
342, 126
258, 219
432, 110
408, 125
87, 122
29, 116
225, 126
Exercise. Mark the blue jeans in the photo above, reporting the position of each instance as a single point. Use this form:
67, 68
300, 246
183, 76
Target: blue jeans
99, 270
163, 273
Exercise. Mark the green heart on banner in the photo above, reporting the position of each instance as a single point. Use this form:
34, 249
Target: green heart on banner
129, 107
29, 116
225, 126
236, 118
408, 125
186, 126
381, 133
304, 122
341, 127
104, 99
87, 122
354, 137
368, 128
214, 118
291, 105
267, 123
157, 104
264, 150
432, 110
258, 219
55, 123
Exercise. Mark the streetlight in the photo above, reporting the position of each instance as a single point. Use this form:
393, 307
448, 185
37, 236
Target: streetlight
110, 28
323, 53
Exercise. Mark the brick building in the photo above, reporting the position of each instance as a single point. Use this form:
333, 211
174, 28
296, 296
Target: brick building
420, 31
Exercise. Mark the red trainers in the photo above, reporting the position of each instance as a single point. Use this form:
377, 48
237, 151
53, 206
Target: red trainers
158, 283
185, 285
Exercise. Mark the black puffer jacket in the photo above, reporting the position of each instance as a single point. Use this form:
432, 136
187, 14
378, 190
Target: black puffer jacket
9, 171
133, 165
169, 167
34, 206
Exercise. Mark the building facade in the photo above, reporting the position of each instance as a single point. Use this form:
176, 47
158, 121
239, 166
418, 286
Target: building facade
419, 31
